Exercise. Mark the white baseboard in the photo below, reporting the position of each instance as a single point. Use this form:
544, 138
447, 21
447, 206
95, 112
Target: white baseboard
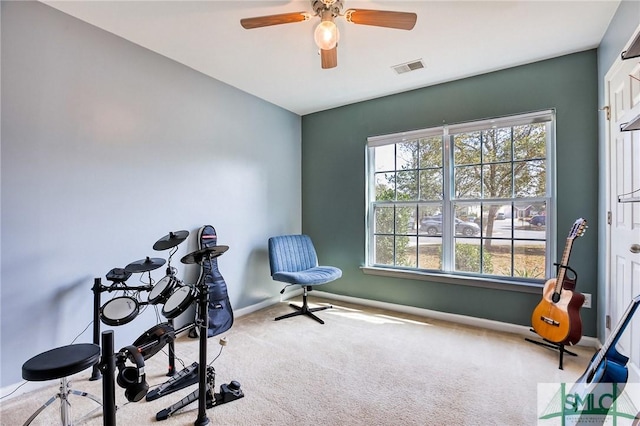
445, 316
266, 303
237, 313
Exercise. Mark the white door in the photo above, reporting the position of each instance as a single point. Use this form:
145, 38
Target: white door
623, 261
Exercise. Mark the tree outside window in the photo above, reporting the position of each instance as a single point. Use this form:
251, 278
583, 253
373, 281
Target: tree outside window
464, 199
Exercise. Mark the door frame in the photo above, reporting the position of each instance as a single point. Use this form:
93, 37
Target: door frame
605, 150
606, 299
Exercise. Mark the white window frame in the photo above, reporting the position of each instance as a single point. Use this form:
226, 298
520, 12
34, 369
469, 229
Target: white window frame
447, 239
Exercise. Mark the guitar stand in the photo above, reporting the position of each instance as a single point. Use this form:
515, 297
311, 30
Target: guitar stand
555, 346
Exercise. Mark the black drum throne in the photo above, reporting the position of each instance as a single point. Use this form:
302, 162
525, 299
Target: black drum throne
60, 363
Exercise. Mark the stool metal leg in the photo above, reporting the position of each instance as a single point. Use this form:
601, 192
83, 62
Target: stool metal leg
39, 410
65, 405
90, 396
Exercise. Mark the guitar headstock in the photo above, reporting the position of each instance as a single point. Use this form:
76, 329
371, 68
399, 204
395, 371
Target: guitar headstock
578, 229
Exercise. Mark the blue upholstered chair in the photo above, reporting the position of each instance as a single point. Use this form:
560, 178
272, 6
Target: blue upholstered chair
294, 261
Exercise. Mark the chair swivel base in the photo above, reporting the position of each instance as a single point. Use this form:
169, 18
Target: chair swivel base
304, 310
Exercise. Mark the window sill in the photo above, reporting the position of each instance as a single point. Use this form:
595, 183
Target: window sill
482, 282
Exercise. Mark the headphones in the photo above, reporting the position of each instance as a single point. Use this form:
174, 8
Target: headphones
132, 379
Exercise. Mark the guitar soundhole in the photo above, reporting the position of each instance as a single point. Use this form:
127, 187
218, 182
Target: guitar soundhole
555, 298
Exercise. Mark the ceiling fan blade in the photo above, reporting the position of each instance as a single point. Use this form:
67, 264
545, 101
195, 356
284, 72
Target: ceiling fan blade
329, 58
382, 18
265, 21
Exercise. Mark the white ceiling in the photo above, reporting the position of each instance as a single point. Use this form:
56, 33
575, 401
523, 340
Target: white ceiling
280, 64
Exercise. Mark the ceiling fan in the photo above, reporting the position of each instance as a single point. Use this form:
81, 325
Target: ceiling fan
326, 34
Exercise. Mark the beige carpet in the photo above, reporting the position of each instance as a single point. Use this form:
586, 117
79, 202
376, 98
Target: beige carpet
365, 366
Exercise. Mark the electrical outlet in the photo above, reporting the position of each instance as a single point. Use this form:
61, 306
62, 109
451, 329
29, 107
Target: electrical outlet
587, 300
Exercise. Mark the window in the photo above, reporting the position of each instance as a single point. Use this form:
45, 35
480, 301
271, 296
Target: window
465, 199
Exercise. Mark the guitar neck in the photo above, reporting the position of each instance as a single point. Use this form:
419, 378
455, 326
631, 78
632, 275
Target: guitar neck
615, 334
563, 264
577, 230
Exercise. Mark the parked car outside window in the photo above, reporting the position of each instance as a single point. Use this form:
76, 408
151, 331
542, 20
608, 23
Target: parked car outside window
538, 220
432, 225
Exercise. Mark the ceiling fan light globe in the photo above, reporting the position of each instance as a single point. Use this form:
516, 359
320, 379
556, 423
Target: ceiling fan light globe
326, 35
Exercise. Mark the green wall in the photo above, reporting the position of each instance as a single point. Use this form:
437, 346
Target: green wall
333, 178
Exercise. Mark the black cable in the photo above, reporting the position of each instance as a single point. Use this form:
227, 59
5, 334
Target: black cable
217, 356
26, 381
174, 355
14, 391
82, 332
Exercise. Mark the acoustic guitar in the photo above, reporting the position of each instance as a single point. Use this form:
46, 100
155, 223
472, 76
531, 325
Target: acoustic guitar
557, 316
607, 366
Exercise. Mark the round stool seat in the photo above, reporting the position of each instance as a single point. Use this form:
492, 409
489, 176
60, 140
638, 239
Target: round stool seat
61, 362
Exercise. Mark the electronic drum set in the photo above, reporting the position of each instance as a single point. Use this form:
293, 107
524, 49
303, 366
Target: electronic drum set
175, 298
170, 291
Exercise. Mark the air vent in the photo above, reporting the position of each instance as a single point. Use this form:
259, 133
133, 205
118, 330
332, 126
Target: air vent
409, 66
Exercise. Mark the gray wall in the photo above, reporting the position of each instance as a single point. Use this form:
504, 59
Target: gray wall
107, 147
333, 179
621, 30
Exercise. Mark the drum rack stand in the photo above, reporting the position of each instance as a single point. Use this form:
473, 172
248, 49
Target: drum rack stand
206, 374
108, 366
98, 289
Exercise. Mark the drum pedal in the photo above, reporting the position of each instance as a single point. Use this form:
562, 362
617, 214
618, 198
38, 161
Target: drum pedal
228, 392
185, 377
